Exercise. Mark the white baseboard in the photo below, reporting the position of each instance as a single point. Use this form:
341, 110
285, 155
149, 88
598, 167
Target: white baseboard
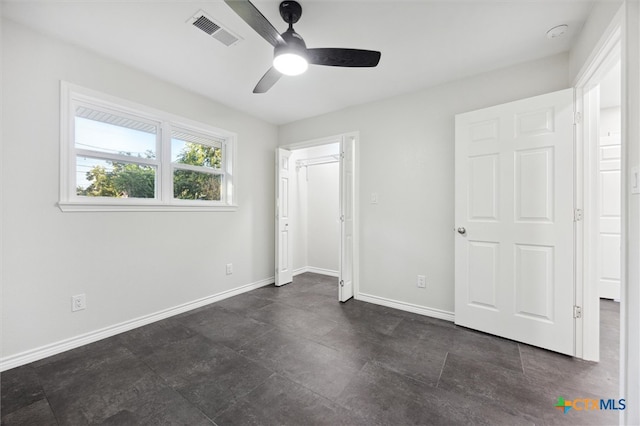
315, 270
36, 354
300, 270
323, 271
409, 307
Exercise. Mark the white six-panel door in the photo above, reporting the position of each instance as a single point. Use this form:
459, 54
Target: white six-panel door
284, 259
514, 212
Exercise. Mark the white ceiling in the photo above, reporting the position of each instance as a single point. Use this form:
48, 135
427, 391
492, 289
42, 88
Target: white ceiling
423, 43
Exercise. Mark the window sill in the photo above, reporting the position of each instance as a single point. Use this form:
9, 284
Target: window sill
142, 207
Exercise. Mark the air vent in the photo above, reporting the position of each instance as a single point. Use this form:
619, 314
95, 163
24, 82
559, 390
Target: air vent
206, 24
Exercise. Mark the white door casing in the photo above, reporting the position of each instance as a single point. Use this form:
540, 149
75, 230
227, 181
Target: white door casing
347, 183
609, 222
284, 260
514, 210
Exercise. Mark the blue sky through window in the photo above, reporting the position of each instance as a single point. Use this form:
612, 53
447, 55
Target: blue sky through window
104, 137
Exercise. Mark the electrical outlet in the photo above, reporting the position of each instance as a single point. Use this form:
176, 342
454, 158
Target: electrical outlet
78, 302
422, 281
229, 268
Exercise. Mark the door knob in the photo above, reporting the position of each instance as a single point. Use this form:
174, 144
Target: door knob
462, 231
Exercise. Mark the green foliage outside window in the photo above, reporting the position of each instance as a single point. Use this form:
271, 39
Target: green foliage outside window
129, 180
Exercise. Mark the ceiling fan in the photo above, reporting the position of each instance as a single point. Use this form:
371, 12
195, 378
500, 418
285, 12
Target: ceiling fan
291, 56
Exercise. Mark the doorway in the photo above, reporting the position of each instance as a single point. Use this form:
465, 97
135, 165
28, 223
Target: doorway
603, 204
607, 198
315, 204
316, 211
599, 191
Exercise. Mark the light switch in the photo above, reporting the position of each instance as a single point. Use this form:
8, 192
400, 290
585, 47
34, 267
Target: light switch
374, 198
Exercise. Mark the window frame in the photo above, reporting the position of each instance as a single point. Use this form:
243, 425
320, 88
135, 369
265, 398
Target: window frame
72, 95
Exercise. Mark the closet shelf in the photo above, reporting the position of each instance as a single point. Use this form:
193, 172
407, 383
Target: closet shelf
317, 161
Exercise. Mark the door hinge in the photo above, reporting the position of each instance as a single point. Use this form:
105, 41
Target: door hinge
578, 215
577, 117
341, 283
342, 218
277, 271
342, 155
577, 312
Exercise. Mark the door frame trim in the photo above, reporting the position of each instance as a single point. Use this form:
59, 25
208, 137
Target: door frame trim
606, 54
355, 267
627, 23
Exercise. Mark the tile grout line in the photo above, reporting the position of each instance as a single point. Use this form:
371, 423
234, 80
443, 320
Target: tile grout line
168, 385
237, 350
46, 397
171, 387
521, 363
236, 399
442, 369
336, 400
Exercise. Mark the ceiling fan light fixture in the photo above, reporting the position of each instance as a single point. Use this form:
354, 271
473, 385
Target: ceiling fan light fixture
290, 63
291, 56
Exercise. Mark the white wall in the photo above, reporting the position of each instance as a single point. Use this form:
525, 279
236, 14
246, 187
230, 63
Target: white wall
128, 264
315, 199
323, 225
596, 24
610, 121
406, 157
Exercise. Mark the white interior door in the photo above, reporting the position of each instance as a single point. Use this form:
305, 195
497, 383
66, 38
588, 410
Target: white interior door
284, 259
608, 267
514, 213
346, 218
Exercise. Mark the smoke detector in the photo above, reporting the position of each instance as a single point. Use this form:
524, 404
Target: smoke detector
557, 31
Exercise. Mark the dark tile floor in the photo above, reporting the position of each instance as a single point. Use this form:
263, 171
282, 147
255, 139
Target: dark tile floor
294, 355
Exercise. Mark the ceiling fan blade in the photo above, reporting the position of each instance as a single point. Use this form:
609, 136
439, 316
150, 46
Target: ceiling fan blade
336, 57
256, 20
268, 79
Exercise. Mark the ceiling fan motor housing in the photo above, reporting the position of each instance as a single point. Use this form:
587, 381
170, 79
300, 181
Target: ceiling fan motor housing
293, 43
291, 11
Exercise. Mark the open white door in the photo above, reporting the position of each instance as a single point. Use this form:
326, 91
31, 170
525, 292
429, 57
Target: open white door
514, 217
284, 267
346, 218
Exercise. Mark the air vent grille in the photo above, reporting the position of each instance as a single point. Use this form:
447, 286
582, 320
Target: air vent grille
225, 38
205, 23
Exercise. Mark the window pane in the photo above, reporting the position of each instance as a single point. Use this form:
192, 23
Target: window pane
105, 132
195, 150
104, 178
191, 185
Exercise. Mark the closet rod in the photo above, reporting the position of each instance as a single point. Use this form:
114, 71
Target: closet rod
317, 161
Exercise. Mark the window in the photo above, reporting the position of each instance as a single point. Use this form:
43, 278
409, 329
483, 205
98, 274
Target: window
119, 156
